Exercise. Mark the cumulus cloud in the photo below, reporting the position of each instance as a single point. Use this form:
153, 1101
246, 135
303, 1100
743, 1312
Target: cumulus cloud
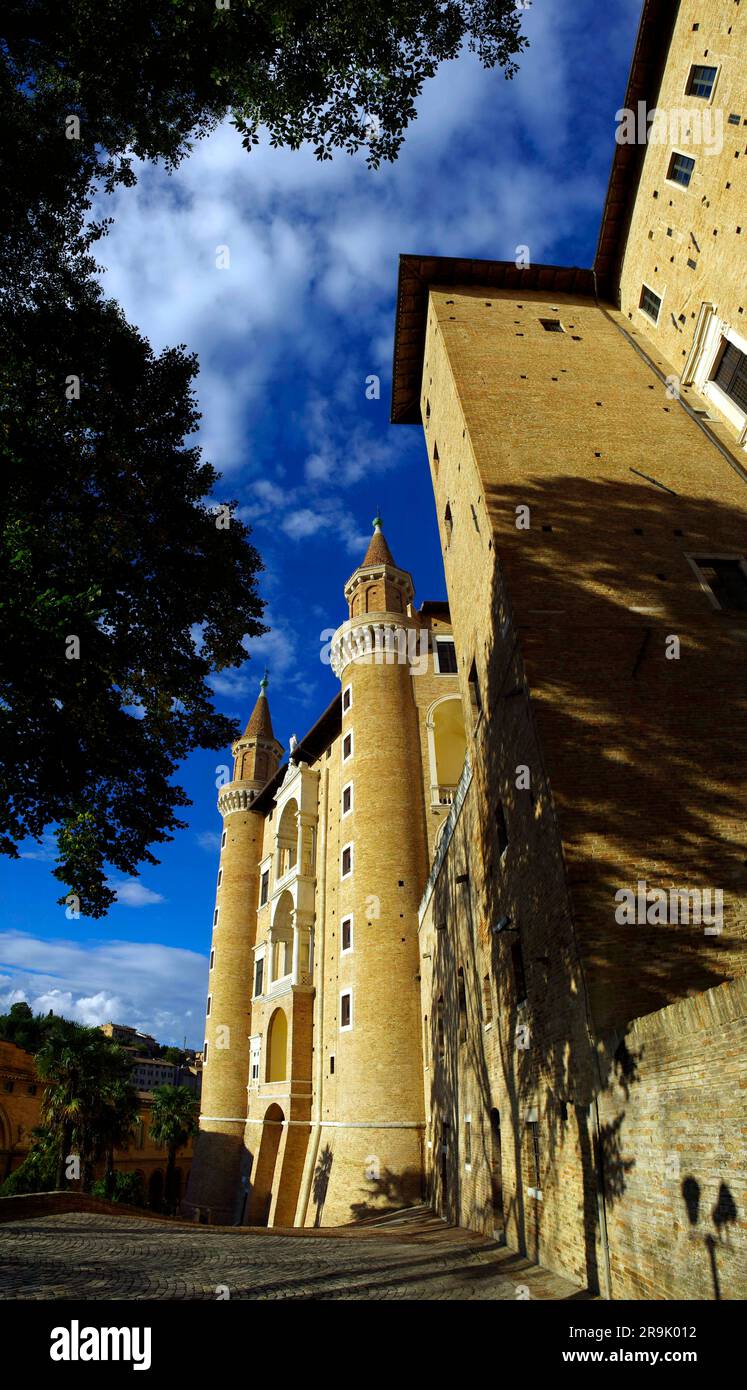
158, 989
132, 893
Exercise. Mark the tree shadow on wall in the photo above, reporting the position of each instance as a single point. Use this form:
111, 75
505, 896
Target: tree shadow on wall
634, 759
389, 1192
320, 1183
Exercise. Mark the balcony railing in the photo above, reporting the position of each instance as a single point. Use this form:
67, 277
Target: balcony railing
442, 796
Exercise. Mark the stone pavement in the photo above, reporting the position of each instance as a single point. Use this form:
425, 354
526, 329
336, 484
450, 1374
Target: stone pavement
95, 1256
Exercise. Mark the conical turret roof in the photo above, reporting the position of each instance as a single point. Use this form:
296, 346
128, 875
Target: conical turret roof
260, 723
378, 552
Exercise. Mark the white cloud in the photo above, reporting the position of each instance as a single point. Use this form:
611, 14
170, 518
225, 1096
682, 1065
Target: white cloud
158, 989
132, 893
209, 840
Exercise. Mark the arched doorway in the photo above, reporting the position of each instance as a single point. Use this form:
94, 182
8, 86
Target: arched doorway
261, 1197
496, 1172
277, 1047
281, 939
155, 1190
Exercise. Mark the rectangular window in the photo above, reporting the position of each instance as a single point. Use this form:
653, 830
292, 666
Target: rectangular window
347, 747
220, 877
223, 839
474, 691
215, 916
346, 860
255, 1047
552, 325
264, 887
726, 578
701, 80
347, 799
259, 976
209, 1004
446, 656
331, 1063
502, 828
649, 303
517, 962
346, 1009
533, 1157
346, 934
347, 698
680, 169
205, 1054
468, 1143
731, 375
212, 958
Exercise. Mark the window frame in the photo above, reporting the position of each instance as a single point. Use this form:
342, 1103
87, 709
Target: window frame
349, 873
260, 956
641, 310
697, 96
674, 182
348, 787
346, 993
346, 950
347, 756
695, 561
445, 641
347, 690
264, 883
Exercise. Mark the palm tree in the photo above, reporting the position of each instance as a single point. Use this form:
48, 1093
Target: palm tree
86, 1084
115, 1121
174, 1121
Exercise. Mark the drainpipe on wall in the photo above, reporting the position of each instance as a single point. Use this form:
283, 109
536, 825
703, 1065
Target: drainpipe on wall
316, 1117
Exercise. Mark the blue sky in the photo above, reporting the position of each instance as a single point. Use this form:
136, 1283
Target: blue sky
287, 336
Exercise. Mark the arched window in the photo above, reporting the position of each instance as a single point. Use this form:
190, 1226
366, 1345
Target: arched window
287, 852
281, 938
277, 1047
447, 745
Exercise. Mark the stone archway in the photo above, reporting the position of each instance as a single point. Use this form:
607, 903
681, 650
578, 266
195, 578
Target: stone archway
260, 1201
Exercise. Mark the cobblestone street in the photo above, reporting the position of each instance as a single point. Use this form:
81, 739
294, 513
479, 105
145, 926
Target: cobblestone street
92, 1256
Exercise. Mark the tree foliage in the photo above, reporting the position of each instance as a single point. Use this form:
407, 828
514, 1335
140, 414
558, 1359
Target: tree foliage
174, 1121
121, 590
147, 77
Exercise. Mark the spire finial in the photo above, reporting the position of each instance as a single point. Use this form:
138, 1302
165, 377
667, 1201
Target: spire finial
377, 522
265, 681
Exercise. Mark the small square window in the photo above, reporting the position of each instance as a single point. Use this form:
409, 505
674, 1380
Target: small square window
347, 747
680, 169
446, 656
346, 1009
347, 698
700, 81
650, 304
726, 578
346, 934
552, 325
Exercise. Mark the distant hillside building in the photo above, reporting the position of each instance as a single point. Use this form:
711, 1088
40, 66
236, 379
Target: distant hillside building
483, 938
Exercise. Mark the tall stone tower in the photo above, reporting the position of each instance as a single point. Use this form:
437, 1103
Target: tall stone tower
215, 1178
373, 1148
